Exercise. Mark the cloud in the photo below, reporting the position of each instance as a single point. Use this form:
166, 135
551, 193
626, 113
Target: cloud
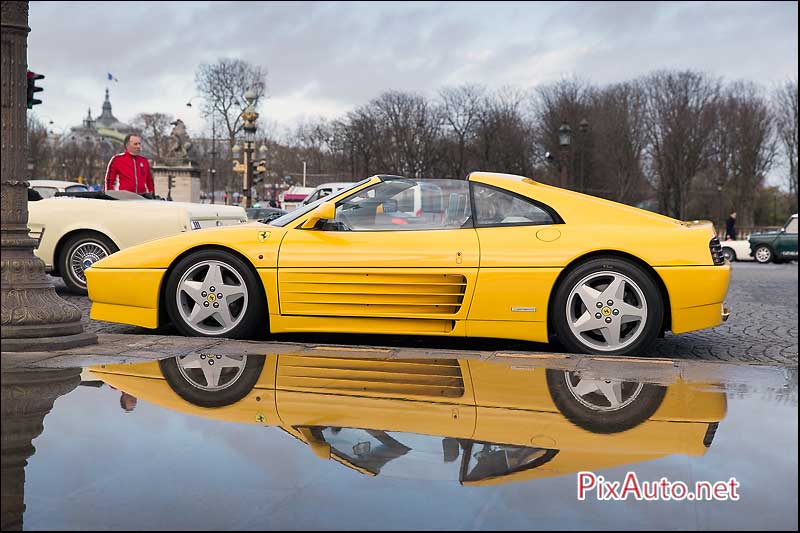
329, 57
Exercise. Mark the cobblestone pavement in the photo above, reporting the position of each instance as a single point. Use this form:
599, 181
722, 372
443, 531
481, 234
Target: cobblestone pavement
761, 329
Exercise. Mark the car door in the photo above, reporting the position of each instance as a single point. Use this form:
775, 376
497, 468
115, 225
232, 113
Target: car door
377, 267
786, 244
518, 263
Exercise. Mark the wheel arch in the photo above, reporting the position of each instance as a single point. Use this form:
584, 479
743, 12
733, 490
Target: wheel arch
616, 254
64, 238
163, 318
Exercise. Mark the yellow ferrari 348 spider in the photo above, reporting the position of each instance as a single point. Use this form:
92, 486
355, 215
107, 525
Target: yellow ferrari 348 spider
494, 255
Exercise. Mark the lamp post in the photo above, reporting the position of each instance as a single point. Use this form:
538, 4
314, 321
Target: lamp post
213, 170
249, 116
34, 317
564, 141
583, 127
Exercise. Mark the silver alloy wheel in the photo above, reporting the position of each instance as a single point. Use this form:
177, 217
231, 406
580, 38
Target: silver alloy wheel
83, 256
212, 297
763, 254
606, 311
602, 395
729, 254
211, 372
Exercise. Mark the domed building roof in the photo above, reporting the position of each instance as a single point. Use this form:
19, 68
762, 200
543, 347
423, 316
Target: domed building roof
109, 121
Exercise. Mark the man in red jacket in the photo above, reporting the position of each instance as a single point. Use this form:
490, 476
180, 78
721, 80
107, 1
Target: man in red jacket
130, 171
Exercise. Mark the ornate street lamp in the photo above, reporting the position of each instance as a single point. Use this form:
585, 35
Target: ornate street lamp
249, 116
564, 142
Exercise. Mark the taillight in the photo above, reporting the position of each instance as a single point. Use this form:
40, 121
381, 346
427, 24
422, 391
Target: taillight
716, 251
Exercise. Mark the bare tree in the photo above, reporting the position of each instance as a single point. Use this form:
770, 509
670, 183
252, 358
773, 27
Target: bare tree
461, 109
155, 129
504, 136
224, 84
680, 112
785, 110
567, 101
412, 126
39, 151
618, 142
744, 146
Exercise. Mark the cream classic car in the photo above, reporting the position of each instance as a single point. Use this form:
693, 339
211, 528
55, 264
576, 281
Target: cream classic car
75, 229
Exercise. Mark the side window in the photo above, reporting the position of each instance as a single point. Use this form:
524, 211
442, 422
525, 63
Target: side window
791, 227
495, 207
405, 205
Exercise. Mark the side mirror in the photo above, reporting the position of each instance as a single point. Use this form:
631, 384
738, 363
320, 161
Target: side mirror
320, 448
324, 211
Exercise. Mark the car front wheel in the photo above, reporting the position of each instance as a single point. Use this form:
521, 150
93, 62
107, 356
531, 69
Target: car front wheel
607, 306
763, 253
729, 254
79, 253
212, 293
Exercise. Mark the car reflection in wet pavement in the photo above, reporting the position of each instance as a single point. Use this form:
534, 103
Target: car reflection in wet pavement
207, 441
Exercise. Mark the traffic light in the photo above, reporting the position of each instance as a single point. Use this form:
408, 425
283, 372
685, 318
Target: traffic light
32, 88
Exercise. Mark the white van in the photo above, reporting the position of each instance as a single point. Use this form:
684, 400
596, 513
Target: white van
326, 189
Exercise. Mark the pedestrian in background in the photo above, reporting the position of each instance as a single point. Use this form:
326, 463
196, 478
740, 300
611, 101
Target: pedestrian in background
730, 227
130, 171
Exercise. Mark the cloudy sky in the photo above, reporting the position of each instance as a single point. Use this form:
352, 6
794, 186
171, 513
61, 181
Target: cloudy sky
325, 58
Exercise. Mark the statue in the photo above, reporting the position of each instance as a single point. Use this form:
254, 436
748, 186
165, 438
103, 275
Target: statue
179, 145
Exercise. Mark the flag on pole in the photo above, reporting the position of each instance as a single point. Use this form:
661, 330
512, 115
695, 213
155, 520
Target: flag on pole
112, 78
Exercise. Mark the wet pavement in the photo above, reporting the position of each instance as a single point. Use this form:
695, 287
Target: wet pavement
385, 441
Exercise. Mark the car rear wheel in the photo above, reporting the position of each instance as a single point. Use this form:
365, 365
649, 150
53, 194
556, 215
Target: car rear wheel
601, 405
729, 254
763, 253
78, 253
607, 306
213, 293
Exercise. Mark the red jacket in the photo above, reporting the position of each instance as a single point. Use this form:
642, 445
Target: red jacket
127, 172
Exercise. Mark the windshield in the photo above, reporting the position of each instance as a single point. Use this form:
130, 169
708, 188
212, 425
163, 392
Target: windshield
300, 211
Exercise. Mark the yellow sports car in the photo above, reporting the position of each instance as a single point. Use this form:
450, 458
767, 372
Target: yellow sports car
482, 422
495, 255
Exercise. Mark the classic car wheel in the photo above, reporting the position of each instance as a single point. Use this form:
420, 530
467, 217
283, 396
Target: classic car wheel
729, 254
213, 293
608, 306
80, 252
212, 380
763, 253
603, 406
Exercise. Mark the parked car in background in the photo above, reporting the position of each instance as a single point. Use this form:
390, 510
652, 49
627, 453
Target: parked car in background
499, 256
264, 214
326, 189
736, 250
776, 246
49, 188
75, 229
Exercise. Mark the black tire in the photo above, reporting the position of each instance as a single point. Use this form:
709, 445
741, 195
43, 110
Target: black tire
593, 411
91, 247
249, 320
729, 254
634, 337
763, 254
233, 386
